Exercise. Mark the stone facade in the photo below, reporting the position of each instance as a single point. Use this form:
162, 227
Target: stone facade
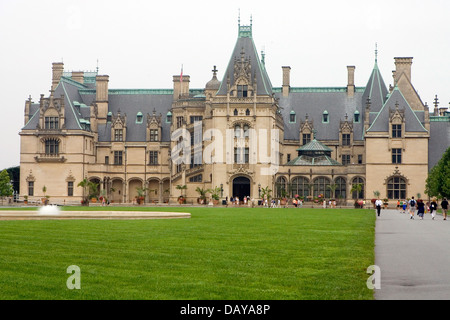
240, 135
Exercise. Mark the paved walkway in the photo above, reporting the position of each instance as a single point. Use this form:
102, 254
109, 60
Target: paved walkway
413, 256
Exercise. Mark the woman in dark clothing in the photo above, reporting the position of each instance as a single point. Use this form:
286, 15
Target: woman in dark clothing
420, 208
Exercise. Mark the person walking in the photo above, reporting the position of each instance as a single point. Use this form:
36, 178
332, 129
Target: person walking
404, 206
378, 204
444, 205
433, 207
420, 208
412, 207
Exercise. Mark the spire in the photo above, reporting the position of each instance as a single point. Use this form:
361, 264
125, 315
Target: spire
376, 52
376, 89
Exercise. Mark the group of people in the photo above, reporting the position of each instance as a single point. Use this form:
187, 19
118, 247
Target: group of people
412, 205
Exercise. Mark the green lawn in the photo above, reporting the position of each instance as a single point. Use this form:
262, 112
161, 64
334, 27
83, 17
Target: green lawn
219, 253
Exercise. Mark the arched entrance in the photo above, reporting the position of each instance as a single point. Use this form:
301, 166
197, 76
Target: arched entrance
241, 187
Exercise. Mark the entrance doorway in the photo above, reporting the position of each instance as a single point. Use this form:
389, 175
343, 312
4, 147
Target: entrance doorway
241, 187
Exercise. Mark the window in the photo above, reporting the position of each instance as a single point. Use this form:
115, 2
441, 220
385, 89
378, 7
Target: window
51, 147
306, 138
300, 186
396, 131
109, 117
358, 181
288, 157
118, 134
396, 155
169, 117
180, 121
341, 188
153, 157
280, 187
70, 188
321, 187
360, 159
118, 157
237, 131
139, 117
237, 155
345, 159
154, 135
356, 117
235, 112
292, 117
325, 118
246, 131
106, 159
51, 123
196, 118
197, 178
246, 155
242, 91
31, 188
345, 139
247, 112
396, 188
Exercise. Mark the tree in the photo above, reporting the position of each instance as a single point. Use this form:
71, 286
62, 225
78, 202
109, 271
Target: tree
333, 188
6, 189
181, 188
356, 187
90, 189
266, 192
215, 193
438, 181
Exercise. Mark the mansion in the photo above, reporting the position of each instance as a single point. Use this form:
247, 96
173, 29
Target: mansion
240, 135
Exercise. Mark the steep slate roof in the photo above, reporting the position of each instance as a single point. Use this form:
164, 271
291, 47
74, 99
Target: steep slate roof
412, 118
375, 90
439, 141
314, 102
245, 42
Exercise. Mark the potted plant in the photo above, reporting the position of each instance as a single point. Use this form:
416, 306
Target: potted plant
140, 198
283, 197
215, 194
89, 190
25, 199
44, 199
202, 195
385, 202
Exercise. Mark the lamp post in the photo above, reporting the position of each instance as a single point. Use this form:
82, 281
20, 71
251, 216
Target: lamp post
221, 190
259, 190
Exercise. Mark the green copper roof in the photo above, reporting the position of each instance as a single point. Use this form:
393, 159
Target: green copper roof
314, 145
313, 161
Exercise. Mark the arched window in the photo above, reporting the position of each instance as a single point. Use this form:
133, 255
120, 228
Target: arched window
357, 181
246, 130
139, 117
169, 117
341, 188
396, 188
237, 131
300, 186
321, 187
235, 112
356, 117
247, 112
280, 187
51, 147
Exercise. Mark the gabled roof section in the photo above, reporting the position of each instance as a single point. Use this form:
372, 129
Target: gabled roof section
246, 45
376, 90
396, 99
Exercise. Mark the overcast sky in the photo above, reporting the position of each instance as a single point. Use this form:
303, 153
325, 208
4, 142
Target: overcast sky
142, 44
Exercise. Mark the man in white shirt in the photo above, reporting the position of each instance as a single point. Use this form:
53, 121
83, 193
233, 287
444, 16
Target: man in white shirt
378, 205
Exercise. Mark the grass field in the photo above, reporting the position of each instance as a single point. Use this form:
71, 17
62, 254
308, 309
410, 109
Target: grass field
219, 253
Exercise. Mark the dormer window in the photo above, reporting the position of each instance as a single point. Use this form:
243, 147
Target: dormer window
51, 123
292, 117
169, 117
118, 134
325, 117
396, 131
356, 117
242, 91
109, 117
139, 117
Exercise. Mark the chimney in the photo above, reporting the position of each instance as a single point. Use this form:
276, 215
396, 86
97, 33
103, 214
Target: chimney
402, 65
78, 76
180, 86
286, 80
351, 81
101, 95
57, 72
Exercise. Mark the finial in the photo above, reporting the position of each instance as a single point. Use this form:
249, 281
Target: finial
436, 101
314, 134
251, 20
376, 52
97, 66
214, 71
239, 17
